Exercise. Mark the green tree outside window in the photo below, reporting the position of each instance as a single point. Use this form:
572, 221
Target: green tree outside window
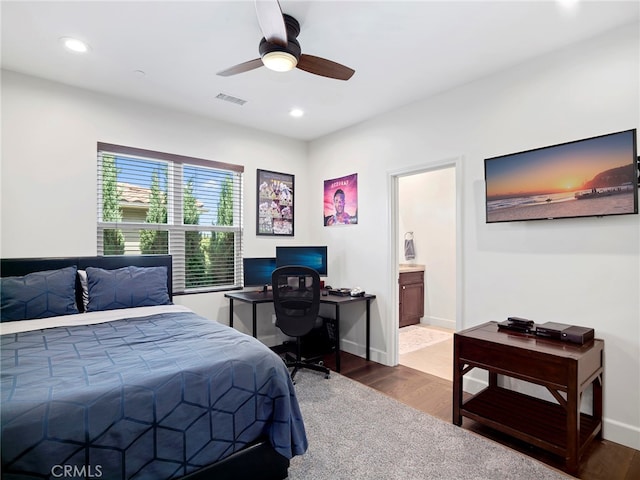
156, 241
221, 246
196, 275
113, 239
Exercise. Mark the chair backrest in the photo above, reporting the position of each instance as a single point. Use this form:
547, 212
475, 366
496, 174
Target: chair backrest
296, 298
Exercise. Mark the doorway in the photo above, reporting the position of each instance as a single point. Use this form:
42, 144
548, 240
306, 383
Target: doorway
426, 202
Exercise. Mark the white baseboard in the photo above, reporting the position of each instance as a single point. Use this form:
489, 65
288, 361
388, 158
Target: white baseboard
439, 322
621, 433
348, 346
272, 340
473, 385
375, 355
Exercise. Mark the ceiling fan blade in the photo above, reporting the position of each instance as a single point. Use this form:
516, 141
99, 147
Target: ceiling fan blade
242, 67
271, 22
324, 67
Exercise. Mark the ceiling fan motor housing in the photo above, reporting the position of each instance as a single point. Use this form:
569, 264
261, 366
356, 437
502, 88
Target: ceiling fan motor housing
293, 47
281, 52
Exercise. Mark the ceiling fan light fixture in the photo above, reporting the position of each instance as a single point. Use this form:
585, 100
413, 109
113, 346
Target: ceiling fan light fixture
279, 61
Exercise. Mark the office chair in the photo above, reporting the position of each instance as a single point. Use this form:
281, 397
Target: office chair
296, 299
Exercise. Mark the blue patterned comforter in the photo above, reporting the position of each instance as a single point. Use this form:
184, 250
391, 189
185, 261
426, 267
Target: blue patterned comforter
152, 397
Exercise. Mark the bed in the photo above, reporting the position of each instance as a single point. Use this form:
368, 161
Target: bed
107, 378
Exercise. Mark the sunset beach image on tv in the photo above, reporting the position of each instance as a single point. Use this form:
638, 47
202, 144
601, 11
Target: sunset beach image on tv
592, 177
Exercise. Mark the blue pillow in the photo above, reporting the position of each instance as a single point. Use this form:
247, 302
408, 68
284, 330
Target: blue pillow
39, 295
127, 287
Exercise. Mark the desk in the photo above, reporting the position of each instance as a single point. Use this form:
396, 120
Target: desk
559, 366
255, 298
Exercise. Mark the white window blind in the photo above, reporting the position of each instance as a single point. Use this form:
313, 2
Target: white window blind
158, 203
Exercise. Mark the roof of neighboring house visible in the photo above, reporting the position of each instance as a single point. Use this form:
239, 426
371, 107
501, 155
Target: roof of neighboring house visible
134, 195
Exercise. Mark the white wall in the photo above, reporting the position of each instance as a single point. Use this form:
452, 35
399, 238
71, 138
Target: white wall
427, 207
49, 137
576, 271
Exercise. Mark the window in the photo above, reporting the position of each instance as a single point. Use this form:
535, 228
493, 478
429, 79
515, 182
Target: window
158, 203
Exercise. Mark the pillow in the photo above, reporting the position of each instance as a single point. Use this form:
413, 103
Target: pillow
82, 275
126, 287
39, 295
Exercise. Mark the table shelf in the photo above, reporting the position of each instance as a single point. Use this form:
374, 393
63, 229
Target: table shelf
565, 369
512, 413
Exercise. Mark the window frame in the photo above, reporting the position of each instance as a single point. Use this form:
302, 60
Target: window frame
175, 199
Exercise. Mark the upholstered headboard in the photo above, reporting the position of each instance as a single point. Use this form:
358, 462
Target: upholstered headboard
10, 267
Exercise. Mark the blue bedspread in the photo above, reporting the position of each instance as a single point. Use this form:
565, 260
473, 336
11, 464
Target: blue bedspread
153, 397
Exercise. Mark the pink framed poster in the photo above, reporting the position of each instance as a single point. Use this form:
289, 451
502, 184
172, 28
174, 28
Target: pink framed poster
341, 201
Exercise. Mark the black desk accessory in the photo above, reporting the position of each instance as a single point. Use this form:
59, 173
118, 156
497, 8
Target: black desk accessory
341, 292
551, 330
516, 327
525, 322
517, 324
579, 335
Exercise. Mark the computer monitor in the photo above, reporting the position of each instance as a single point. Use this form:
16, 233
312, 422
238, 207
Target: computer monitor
257, 271
313, 257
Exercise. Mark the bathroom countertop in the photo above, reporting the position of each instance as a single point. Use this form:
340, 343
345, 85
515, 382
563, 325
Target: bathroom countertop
411, 267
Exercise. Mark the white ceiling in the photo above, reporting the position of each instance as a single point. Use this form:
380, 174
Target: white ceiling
401, 51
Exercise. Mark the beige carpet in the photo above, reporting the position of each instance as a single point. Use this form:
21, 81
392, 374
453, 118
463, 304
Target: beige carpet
428, 349
358, 433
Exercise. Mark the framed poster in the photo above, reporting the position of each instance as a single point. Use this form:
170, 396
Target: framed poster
274, 198
341, 201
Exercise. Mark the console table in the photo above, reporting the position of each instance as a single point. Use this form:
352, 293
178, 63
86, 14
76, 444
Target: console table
565, 369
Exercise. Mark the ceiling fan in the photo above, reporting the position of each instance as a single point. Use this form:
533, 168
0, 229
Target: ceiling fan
279, 49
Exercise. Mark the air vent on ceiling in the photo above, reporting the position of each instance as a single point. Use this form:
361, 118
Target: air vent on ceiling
229, 98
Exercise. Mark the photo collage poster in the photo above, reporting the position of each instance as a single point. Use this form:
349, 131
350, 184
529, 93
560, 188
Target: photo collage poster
275, 203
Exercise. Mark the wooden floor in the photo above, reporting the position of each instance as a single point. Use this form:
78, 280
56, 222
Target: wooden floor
604, 460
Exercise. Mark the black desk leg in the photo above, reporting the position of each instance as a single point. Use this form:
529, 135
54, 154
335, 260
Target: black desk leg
255, 324
368, 329
231, 312
337, 338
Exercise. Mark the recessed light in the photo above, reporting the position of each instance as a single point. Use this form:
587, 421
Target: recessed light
296, 112
75, 45
569, 4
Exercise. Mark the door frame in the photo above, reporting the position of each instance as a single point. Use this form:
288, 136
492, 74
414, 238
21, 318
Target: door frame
394, 245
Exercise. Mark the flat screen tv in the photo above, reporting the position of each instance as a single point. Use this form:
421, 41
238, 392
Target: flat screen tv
314, 257
257, 271
593, 177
